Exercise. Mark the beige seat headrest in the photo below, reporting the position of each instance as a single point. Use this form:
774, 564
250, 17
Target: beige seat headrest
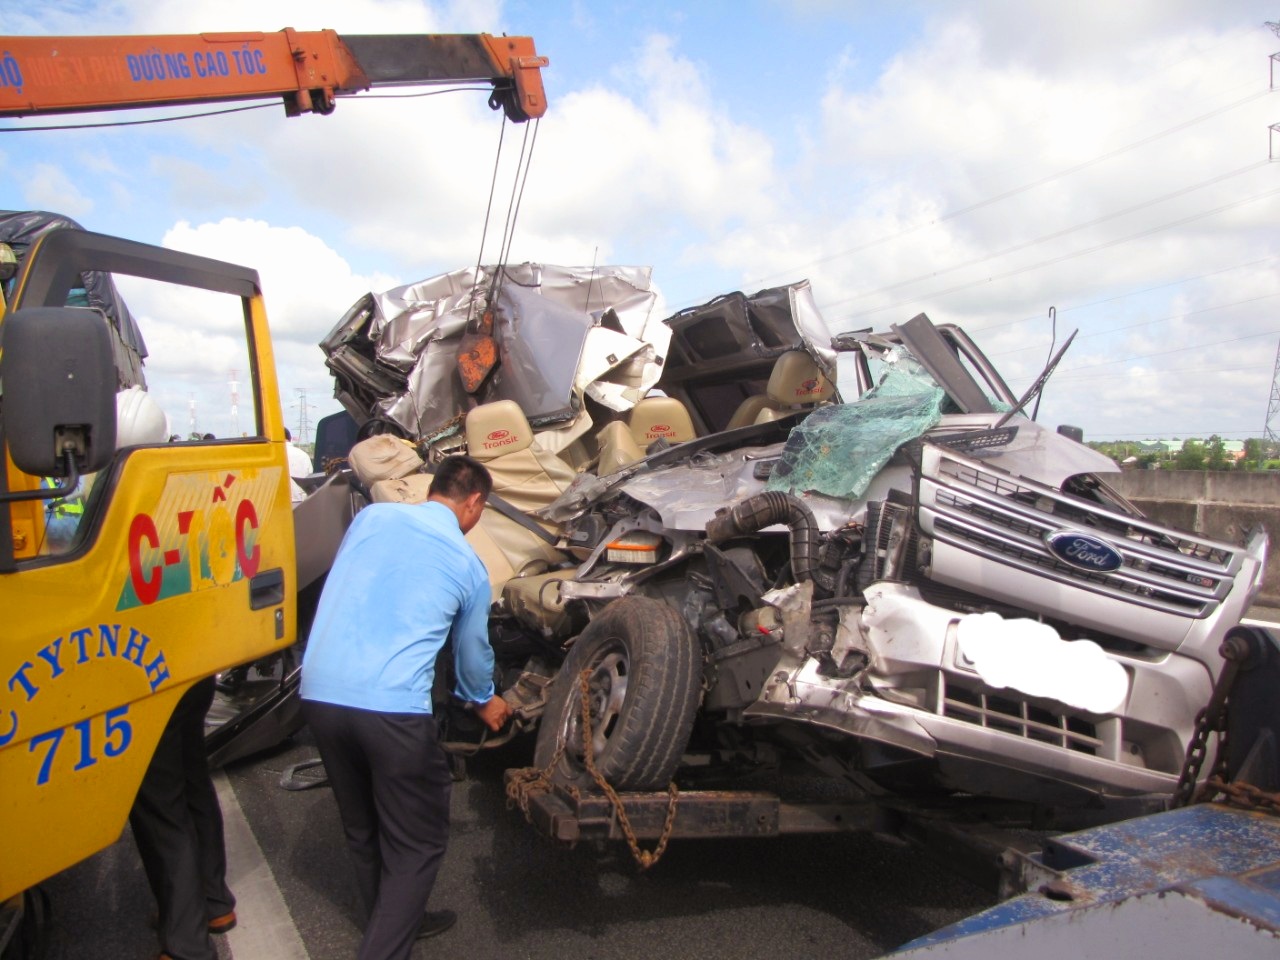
383, 457
749, 409
617, 448
796, 379
498, 428
414, 488
665, 418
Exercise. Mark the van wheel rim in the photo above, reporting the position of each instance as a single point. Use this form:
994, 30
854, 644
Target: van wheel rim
607, 693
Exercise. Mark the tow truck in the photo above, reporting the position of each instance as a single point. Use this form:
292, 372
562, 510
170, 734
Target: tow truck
181, 561
1200, 879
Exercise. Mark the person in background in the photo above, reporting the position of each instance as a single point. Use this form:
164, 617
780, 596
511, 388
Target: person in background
176, 818
177, 826
404, 581
62, 515
299, 465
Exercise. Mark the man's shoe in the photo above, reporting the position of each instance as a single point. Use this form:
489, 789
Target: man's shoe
222, 924
218, 925
435, 922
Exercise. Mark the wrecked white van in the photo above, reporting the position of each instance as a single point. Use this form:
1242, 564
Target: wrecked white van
759, 539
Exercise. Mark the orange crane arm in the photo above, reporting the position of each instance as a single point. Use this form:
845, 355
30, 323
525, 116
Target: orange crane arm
308, 69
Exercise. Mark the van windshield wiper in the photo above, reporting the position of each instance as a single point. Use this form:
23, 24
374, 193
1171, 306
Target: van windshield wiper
1039, 383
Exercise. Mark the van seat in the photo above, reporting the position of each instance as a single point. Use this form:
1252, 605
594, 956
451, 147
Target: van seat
660, 418
796, 382
525, 476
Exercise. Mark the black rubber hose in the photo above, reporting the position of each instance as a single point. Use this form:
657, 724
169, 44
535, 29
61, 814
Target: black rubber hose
764, 510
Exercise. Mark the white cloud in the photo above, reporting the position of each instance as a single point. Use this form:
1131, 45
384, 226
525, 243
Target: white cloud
195, 340
410, 177
987, 177
47, 187
303, 279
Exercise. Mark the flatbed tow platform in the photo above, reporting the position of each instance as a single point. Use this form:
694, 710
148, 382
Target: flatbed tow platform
569, 816
978, 839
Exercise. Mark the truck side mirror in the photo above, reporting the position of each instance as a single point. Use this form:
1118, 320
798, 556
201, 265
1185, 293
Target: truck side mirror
8, 263
58, 378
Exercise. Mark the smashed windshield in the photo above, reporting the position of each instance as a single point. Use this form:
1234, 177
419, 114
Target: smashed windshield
838, 449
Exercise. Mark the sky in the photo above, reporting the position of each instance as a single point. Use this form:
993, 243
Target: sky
985, 162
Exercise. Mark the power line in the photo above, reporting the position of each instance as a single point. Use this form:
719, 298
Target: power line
304, 423
1123, 296
1197, 370
134, 123
1150, 436
1066, 256
1146, 323
951, 215
1162, 353
1272, 424
1057, 234
217, 113
1218, 111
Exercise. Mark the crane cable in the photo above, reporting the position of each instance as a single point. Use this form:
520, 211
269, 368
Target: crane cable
513, 209
513, 206
488, 211
217, 113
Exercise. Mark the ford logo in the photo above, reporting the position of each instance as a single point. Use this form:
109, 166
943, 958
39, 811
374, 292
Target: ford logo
1083, 551
499, 435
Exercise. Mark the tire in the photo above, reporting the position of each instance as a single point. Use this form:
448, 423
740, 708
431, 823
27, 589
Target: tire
645, 683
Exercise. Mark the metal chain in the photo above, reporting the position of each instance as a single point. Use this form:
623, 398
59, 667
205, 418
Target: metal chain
1218, 771
1196, 749
1243, 794
644, 858
1211, 719
528, 782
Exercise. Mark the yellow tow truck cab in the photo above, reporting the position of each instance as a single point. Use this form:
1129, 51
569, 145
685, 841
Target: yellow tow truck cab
128, 570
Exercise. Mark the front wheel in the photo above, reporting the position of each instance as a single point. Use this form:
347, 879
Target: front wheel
644, 678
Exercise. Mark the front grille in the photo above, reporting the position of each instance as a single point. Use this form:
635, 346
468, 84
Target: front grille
1007, 519
1022, 719
1046, 561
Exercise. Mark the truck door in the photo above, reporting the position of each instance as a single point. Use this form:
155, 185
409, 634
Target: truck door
173, 562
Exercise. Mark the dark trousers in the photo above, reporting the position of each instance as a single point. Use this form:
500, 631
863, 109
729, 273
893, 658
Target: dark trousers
392, 784
177, 824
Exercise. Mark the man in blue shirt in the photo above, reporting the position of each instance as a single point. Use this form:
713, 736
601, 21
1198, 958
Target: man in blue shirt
403, 582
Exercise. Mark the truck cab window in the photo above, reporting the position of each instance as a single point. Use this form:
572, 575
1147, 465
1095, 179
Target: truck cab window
184, 375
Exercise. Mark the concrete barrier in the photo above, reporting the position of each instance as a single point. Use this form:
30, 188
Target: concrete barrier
1223, 506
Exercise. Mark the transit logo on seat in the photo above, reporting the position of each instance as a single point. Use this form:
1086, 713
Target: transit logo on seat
810, 387
499, 438
659, 430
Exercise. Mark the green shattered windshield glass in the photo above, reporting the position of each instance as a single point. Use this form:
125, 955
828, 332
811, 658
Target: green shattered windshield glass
837, 450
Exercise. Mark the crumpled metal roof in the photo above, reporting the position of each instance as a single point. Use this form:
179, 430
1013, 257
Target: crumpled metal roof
559, 329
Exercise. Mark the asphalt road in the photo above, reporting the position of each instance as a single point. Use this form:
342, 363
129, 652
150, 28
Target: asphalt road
520, 896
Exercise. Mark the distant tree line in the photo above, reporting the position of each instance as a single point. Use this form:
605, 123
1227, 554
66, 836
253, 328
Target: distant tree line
1210, 454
